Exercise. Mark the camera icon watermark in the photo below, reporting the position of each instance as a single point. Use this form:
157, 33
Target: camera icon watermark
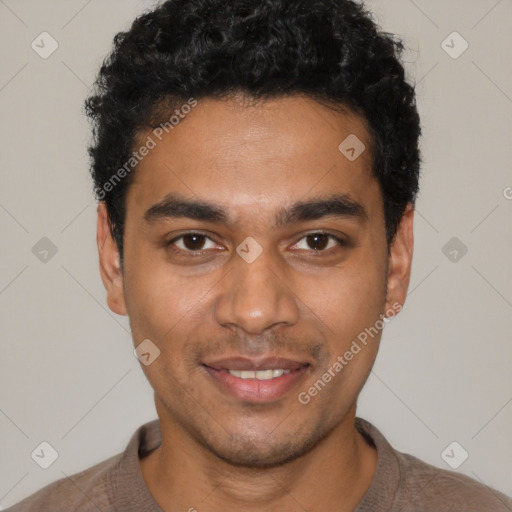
454, 249
454, 45
146, 352
352, 147
454, 455
44, 455
44, 45
249, 249
44, 250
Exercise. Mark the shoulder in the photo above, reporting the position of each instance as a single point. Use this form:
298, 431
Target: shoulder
449, 491
404, 483
85, 491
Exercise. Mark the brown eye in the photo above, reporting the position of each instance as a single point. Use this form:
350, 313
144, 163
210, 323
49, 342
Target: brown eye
319, 242
194, 241
190, 242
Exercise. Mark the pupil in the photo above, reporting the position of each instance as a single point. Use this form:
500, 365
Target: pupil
316, 236
193, 245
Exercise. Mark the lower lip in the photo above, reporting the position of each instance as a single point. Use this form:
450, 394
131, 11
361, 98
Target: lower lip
254, 390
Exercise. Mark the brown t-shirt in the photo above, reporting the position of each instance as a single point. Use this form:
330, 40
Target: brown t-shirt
402, 483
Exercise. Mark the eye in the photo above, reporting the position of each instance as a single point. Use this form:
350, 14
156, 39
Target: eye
191, 242
319, 242
196, 242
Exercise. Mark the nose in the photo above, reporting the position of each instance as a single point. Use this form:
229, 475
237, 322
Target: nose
255, 296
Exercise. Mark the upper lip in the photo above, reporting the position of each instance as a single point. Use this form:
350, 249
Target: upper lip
242, 363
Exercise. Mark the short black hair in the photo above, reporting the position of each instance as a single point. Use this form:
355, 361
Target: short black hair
185, 50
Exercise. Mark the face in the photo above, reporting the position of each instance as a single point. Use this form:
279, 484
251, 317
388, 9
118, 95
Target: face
278, 267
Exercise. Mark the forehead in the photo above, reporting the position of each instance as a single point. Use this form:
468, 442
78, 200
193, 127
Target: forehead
237, 153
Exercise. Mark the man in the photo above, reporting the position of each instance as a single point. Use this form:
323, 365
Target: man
257, 166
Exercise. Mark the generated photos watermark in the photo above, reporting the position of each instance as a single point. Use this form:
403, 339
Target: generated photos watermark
148, 145
304, 397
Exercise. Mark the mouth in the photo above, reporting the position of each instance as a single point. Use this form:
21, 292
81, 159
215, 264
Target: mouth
256, 381
269, 374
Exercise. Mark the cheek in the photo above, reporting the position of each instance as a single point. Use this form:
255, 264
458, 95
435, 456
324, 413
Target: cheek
348, 299
162, 301
350, 305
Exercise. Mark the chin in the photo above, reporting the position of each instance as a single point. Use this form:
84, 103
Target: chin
239, 451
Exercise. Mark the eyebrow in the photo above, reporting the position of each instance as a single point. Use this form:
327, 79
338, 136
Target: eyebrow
336, 205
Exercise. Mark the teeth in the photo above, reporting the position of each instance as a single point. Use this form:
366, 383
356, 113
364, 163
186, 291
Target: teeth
260, 374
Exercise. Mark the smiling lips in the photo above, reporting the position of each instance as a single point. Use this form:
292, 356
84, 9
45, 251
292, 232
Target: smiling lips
271, 373
258, 381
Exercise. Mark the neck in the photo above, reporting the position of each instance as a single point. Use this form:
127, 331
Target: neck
182, 475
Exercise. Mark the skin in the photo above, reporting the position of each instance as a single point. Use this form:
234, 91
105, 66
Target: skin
218, 452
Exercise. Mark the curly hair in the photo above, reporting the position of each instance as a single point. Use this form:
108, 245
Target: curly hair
329, 50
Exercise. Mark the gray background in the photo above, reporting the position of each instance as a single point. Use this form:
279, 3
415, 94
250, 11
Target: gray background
69, 376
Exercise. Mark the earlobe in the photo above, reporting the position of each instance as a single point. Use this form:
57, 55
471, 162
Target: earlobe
109, 262
400, 261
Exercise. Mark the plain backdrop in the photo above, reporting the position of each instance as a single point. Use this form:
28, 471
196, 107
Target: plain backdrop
68, 373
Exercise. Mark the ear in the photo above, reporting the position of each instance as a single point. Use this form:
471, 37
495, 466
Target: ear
400, 261
110, 268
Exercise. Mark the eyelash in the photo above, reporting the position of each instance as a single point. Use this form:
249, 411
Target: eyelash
170, 244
